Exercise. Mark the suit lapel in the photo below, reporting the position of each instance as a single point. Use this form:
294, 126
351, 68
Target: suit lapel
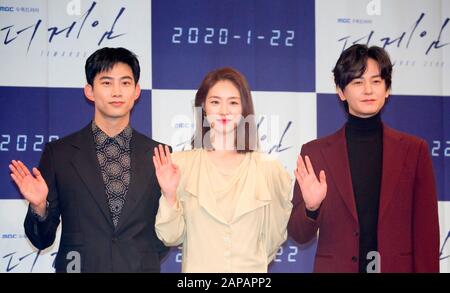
141, 170
86, 163
394, 154
336, 158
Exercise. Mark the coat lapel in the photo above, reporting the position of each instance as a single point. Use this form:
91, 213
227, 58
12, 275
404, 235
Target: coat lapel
86, 163
336, 158
394, 155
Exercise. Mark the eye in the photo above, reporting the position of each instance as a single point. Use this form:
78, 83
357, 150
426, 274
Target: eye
214, 102
127, 83
106, 82
377, 81
234, 103
357, 82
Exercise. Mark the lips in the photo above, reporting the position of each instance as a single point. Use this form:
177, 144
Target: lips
117, 104
223, 121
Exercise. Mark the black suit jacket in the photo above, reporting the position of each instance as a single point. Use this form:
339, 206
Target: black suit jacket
77, 196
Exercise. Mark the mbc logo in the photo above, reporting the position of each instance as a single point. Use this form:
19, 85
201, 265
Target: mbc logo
6, 9
9, 236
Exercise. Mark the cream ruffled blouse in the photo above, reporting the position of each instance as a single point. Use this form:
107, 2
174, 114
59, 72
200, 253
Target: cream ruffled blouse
227, 221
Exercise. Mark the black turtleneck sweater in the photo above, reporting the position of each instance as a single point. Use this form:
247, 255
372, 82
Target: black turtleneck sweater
365, 152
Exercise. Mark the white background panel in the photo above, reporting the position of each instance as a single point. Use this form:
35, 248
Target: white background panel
444, 226
280, 108
415, 72
18, 255
173, 116
60, 63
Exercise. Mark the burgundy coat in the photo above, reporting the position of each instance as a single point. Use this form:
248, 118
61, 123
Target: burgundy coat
408, 227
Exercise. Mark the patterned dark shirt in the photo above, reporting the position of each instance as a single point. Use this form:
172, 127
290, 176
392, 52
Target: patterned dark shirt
114, 158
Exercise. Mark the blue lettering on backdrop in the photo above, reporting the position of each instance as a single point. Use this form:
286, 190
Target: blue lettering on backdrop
412, 35
54, 31
443, 256
14, 261
277, 148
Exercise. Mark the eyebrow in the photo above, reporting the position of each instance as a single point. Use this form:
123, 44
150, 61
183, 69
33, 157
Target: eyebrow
217, 97
373, 76
110, 78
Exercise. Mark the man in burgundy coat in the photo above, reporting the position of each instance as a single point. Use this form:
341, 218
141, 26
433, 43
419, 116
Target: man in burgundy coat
376, 209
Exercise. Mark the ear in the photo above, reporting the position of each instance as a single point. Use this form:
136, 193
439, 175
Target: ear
388, 93
138, 92
340, 94
89, 92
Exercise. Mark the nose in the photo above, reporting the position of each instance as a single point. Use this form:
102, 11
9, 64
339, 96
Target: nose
367, 87
223, 109
117, 92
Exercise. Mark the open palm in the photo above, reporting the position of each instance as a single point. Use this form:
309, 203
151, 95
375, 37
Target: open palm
167, 173
31, 186
313, 190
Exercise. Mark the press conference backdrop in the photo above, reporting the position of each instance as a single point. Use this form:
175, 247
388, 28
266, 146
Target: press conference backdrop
285, 48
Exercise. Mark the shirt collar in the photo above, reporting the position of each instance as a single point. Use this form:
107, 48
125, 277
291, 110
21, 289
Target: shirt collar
122, 139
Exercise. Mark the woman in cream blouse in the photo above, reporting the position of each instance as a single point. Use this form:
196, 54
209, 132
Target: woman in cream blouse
228, 204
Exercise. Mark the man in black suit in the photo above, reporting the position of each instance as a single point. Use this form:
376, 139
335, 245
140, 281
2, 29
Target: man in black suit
100, 181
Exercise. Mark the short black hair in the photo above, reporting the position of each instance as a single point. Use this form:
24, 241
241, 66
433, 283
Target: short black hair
104, 59
353, 63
